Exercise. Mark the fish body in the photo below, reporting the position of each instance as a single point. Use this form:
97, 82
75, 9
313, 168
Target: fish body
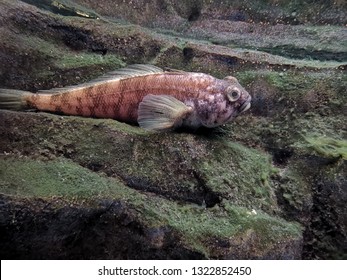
146, 94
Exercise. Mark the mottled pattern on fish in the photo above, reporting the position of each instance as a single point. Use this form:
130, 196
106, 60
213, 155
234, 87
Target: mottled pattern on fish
119, 95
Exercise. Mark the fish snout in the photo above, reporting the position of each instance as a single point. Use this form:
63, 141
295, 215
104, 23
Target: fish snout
245, 105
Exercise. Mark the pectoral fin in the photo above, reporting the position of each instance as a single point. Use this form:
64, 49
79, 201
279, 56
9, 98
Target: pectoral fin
161, 112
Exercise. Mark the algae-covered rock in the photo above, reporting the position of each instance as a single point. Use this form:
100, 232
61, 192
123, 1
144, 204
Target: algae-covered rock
171, 189
270, 185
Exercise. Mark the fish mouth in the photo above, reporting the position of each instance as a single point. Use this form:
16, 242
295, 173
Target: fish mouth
246, 105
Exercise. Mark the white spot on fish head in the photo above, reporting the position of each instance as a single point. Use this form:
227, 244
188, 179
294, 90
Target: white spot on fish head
215, 110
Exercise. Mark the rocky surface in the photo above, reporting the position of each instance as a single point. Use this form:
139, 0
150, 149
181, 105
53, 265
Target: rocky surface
270, 185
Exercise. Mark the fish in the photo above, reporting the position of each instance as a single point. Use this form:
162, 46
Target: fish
154, 98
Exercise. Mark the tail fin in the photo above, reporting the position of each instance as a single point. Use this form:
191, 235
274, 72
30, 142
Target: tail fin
11, 99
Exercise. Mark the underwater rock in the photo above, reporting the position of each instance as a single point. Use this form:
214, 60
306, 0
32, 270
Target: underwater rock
270, 185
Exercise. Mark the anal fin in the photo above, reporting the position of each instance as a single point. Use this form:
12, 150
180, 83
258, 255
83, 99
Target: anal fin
161, 112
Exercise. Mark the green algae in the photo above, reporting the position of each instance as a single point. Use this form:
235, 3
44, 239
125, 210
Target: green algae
62, 178
62, 57
240, 174
229, 222
326, 147
71, 61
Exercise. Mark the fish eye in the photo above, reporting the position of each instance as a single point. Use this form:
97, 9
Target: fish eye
234, 94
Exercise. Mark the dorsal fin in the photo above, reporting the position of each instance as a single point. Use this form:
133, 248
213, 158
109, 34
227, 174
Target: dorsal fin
131, 71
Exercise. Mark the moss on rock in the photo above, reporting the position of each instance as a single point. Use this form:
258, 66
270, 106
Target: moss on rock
196, 226
328, 147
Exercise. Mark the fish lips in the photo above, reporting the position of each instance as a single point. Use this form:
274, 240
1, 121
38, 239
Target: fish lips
245, 105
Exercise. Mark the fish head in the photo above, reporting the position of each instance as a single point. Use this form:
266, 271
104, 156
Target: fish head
221, 107
238, 97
